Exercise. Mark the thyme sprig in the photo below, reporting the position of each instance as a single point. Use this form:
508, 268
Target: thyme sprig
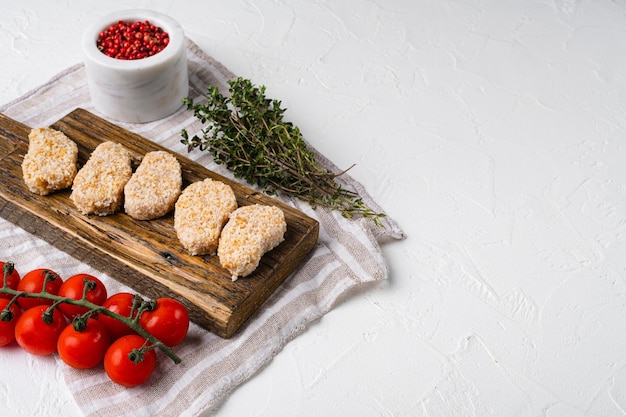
246, 133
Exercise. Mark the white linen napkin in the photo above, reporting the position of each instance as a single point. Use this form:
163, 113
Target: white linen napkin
346, 257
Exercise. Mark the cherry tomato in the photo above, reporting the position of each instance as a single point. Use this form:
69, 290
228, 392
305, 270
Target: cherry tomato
33, 282
7, 328
36, 336
13, 279
120, 303
86, 348
73, 288
168, 322
124, 371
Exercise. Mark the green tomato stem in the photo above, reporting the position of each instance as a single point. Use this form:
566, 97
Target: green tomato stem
137, 355
7, 270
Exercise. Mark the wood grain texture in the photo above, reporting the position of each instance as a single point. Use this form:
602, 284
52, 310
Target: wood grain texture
146, 255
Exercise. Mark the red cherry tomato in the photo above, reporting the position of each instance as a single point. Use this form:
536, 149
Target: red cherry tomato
86, 348
13, 279
33, 282
73, 288
168, 322
7, 328
124, 371
122, 304
36, 336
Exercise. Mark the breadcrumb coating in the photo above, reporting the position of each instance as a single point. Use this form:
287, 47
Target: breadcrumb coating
154, 187
200, 213
50, 163
98, 187
251, 232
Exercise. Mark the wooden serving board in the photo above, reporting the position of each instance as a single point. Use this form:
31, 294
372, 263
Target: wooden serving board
146, 255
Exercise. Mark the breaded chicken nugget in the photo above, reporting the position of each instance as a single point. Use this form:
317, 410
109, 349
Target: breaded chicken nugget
154, 187
50, 163
251, 231
200, 213
98, 187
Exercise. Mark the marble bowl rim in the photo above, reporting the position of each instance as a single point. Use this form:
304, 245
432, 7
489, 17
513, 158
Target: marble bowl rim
168, 24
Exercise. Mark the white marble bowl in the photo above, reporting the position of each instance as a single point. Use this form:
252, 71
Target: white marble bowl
141, 90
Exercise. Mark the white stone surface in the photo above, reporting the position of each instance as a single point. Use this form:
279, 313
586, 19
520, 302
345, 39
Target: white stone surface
493, 131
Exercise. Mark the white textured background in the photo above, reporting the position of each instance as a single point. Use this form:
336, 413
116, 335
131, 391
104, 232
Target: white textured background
493, 131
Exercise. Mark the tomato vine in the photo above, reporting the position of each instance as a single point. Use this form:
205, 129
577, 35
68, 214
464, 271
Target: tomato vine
79, 322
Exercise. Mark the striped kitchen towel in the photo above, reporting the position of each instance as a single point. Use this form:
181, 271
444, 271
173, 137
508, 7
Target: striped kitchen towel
347, 256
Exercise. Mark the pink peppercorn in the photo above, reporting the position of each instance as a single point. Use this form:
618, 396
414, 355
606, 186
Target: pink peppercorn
132, 40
